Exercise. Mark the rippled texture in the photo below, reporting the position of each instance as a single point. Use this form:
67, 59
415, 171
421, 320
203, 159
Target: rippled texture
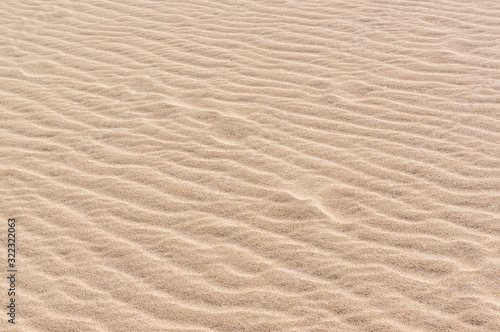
252, 165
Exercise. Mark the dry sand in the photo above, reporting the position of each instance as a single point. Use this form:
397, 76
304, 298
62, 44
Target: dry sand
251, 165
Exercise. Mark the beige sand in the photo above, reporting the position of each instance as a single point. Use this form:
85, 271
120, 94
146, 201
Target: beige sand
251, 165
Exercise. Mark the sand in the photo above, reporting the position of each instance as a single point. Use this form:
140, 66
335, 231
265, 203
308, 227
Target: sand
251, 165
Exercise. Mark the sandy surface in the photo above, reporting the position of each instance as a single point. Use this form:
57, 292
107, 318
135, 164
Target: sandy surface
251, 165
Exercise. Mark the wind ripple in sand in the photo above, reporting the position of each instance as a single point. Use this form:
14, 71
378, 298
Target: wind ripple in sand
253, 165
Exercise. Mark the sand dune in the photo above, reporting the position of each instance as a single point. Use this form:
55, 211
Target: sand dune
251, 165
